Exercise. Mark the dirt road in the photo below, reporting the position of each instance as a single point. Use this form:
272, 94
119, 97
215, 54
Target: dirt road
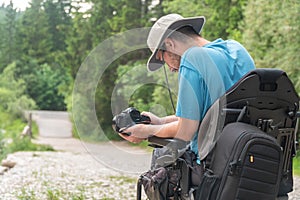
55, 129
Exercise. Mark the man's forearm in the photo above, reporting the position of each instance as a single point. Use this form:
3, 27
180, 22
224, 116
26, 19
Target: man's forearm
167, 130
169, 119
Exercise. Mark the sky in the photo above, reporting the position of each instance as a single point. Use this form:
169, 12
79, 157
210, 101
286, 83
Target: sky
19, 4
22, 4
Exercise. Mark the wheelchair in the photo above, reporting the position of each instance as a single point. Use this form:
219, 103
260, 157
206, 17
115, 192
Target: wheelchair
263, 103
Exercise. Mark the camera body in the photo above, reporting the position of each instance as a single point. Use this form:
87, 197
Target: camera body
127, 118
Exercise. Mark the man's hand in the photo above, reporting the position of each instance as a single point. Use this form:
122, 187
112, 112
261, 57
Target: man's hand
131, 138
135, 134
155, 120
140, 132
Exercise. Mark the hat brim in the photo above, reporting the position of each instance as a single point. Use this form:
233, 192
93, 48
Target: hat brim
195, 22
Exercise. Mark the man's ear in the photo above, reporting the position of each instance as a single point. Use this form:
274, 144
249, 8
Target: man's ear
170, 44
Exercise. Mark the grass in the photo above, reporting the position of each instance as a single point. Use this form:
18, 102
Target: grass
82, 192
10, 136
51, 194
296, 165
26, 195
123, 179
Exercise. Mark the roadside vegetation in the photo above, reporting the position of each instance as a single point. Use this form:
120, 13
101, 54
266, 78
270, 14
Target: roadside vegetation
13, 102
11, 139
296, 165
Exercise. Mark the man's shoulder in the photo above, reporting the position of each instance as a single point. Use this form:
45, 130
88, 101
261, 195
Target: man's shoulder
198, 52
195, 56
229, 48
222, 44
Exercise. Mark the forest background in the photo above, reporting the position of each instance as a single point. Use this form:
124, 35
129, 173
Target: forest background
43, 47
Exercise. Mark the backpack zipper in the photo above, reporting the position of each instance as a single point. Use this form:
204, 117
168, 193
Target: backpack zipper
236, 160
223, 178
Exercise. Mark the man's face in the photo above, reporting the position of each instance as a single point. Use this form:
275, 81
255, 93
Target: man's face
171, 59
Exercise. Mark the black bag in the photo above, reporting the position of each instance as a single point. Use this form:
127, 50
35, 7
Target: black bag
155, 184
175, 181
245, 164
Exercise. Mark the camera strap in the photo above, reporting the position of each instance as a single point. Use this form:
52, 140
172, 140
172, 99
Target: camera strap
169, 89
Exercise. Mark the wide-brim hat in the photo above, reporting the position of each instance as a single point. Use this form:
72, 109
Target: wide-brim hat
163, 28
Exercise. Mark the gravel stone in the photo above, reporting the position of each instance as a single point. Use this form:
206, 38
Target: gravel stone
67, 175
64, 175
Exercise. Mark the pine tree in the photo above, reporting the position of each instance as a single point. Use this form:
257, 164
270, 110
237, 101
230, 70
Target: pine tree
58, 21
79, 41
8, 47
34, 39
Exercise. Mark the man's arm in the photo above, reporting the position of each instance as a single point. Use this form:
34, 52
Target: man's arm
155, 120
140, 132
186, 129
183, 129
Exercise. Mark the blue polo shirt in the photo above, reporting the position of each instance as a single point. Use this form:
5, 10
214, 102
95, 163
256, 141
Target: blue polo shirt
205, 74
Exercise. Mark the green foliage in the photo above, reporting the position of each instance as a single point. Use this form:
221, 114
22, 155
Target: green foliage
12, 93
44, 85
79, 42
35, 41
2, 146
127, 14
103, 20
222, 17
296, 165
59, 22
271, 35
11, 139
25, 195
191, 8
25, 144
162, 104
133, 87
8, 45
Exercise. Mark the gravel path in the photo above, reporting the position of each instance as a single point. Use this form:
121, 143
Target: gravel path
63, 175
70, 174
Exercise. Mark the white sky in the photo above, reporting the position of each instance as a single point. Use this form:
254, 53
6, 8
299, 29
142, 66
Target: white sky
19, 4
23, 4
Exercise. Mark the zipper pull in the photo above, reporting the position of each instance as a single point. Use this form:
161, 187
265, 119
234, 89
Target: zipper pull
233, 167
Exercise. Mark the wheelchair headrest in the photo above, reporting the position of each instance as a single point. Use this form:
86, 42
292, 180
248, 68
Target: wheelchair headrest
268, 78
268, 83
268, 75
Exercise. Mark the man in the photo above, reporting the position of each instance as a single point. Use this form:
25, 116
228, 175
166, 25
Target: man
206, 70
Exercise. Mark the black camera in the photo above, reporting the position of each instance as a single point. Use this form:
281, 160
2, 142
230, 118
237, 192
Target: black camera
127, 118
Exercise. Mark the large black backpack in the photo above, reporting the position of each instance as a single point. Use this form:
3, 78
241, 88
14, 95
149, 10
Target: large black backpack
247, 139
246, 164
